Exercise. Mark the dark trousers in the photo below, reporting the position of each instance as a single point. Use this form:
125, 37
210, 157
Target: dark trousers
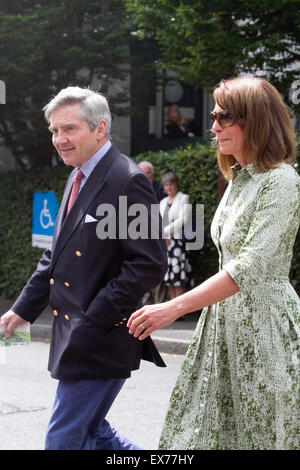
78, 417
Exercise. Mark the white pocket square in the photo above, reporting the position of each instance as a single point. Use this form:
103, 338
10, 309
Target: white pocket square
89, 218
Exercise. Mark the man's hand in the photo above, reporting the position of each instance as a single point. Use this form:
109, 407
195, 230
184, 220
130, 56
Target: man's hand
10, 320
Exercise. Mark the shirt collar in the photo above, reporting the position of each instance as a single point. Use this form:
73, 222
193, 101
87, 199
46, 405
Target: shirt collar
91, 163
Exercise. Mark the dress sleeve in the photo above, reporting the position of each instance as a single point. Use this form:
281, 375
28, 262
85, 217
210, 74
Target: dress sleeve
272, 231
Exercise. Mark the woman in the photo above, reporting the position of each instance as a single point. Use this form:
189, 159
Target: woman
177, 126
239, 384
174, 210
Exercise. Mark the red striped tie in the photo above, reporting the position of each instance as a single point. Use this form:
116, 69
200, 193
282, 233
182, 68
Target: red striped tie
75, 189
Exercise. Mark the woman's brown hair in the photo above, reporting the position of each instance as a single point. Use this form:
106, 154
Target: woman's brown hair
261, 112
179, 120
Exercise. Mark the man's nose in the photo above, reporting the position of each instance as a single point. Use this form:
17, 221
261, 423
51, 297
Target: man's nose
60, 138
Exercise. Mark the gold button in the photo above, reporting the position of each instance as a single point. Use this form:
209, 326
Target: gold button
51, 282
67, 317
55, 313
116, 324
123, 319
78, 253
121, 323
67, 284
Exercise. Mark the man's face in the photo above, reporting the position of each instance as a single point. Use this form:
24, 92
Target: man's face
148, 172
72, 137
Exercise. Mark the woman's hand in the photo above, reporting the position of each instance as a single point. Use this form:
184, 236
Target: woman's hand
150, 318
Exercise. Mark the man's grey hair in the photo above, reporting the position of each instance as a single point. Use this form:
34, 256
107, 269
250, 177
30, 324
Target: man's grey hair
144, 163
94, 106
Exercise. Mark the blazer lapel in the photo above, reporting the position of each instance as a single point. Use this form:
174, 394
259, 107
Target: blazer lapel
62, 208
93, 185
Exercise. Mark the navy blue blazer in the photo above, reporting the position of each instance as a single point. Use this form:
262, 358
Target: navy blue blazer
94, 285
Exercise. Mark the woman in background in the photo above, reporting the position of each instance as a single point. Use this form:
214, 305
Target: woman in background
175, 211
177, 126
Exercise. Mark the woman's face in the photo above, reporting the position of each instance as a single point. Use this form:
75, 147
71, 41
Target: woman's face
230, 139
171, 188
173, 115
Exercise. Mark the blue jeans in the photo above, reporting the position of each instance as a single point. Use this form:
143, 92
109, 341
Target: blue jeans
78, 417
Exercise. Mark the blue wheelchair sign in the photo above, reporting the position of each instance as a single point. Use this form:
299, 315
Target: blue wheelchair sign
44, 215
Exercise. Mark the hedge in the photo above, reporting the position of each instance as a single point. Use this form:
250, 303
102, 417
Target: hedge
18, 258
197, 171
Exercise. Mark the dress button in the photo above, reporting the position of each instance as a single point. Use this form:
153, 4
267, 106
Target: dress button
67, 284
67, 317
78, 253
51, 282
55, 313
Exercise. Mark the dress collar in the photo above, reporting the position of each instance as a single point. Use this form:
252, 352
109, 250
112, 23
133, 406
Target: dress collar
237, 169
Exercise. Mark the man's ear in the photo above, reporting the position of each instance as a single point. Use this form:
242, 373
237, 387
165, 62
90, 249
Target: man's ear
101, 130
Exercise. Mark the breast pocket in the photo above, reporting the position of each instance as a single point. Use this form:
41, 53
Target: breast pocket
90, 226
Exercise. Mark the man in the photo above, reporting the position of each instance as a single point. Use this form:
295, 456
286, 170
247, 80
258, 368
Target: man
158, 189
92, 284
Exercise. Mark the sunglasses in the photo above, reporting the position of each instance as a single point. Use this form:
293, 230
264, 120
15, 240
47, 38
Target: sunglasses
223, 118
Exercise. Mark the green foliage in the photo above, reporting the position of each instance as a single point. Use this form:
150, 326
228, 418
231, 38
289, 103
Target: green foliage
18, 257
196, 168
46, 46
205, 41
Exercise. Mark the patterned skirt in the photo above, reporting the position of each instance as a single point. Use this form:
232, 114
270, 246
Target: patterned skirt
179, 269
239, 385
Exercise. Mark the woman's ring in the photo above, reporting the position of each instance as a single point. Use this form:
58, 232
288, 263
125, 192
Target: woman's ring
141, 326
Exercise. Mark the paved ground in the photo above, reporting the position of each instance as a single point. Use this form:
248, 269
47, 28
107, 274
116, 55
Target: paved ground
27, 393
27, 390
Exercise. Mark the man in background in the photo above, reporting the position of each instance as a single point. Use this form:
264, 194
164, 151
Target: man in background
158, 189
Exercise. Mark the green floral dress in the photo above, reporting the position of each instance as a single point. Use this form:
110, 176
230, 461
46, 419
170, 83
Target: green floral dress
239, 386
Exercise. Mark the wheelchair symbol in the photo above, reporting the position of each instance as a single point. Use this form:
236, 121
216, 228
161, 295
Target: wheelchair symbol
45, 217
